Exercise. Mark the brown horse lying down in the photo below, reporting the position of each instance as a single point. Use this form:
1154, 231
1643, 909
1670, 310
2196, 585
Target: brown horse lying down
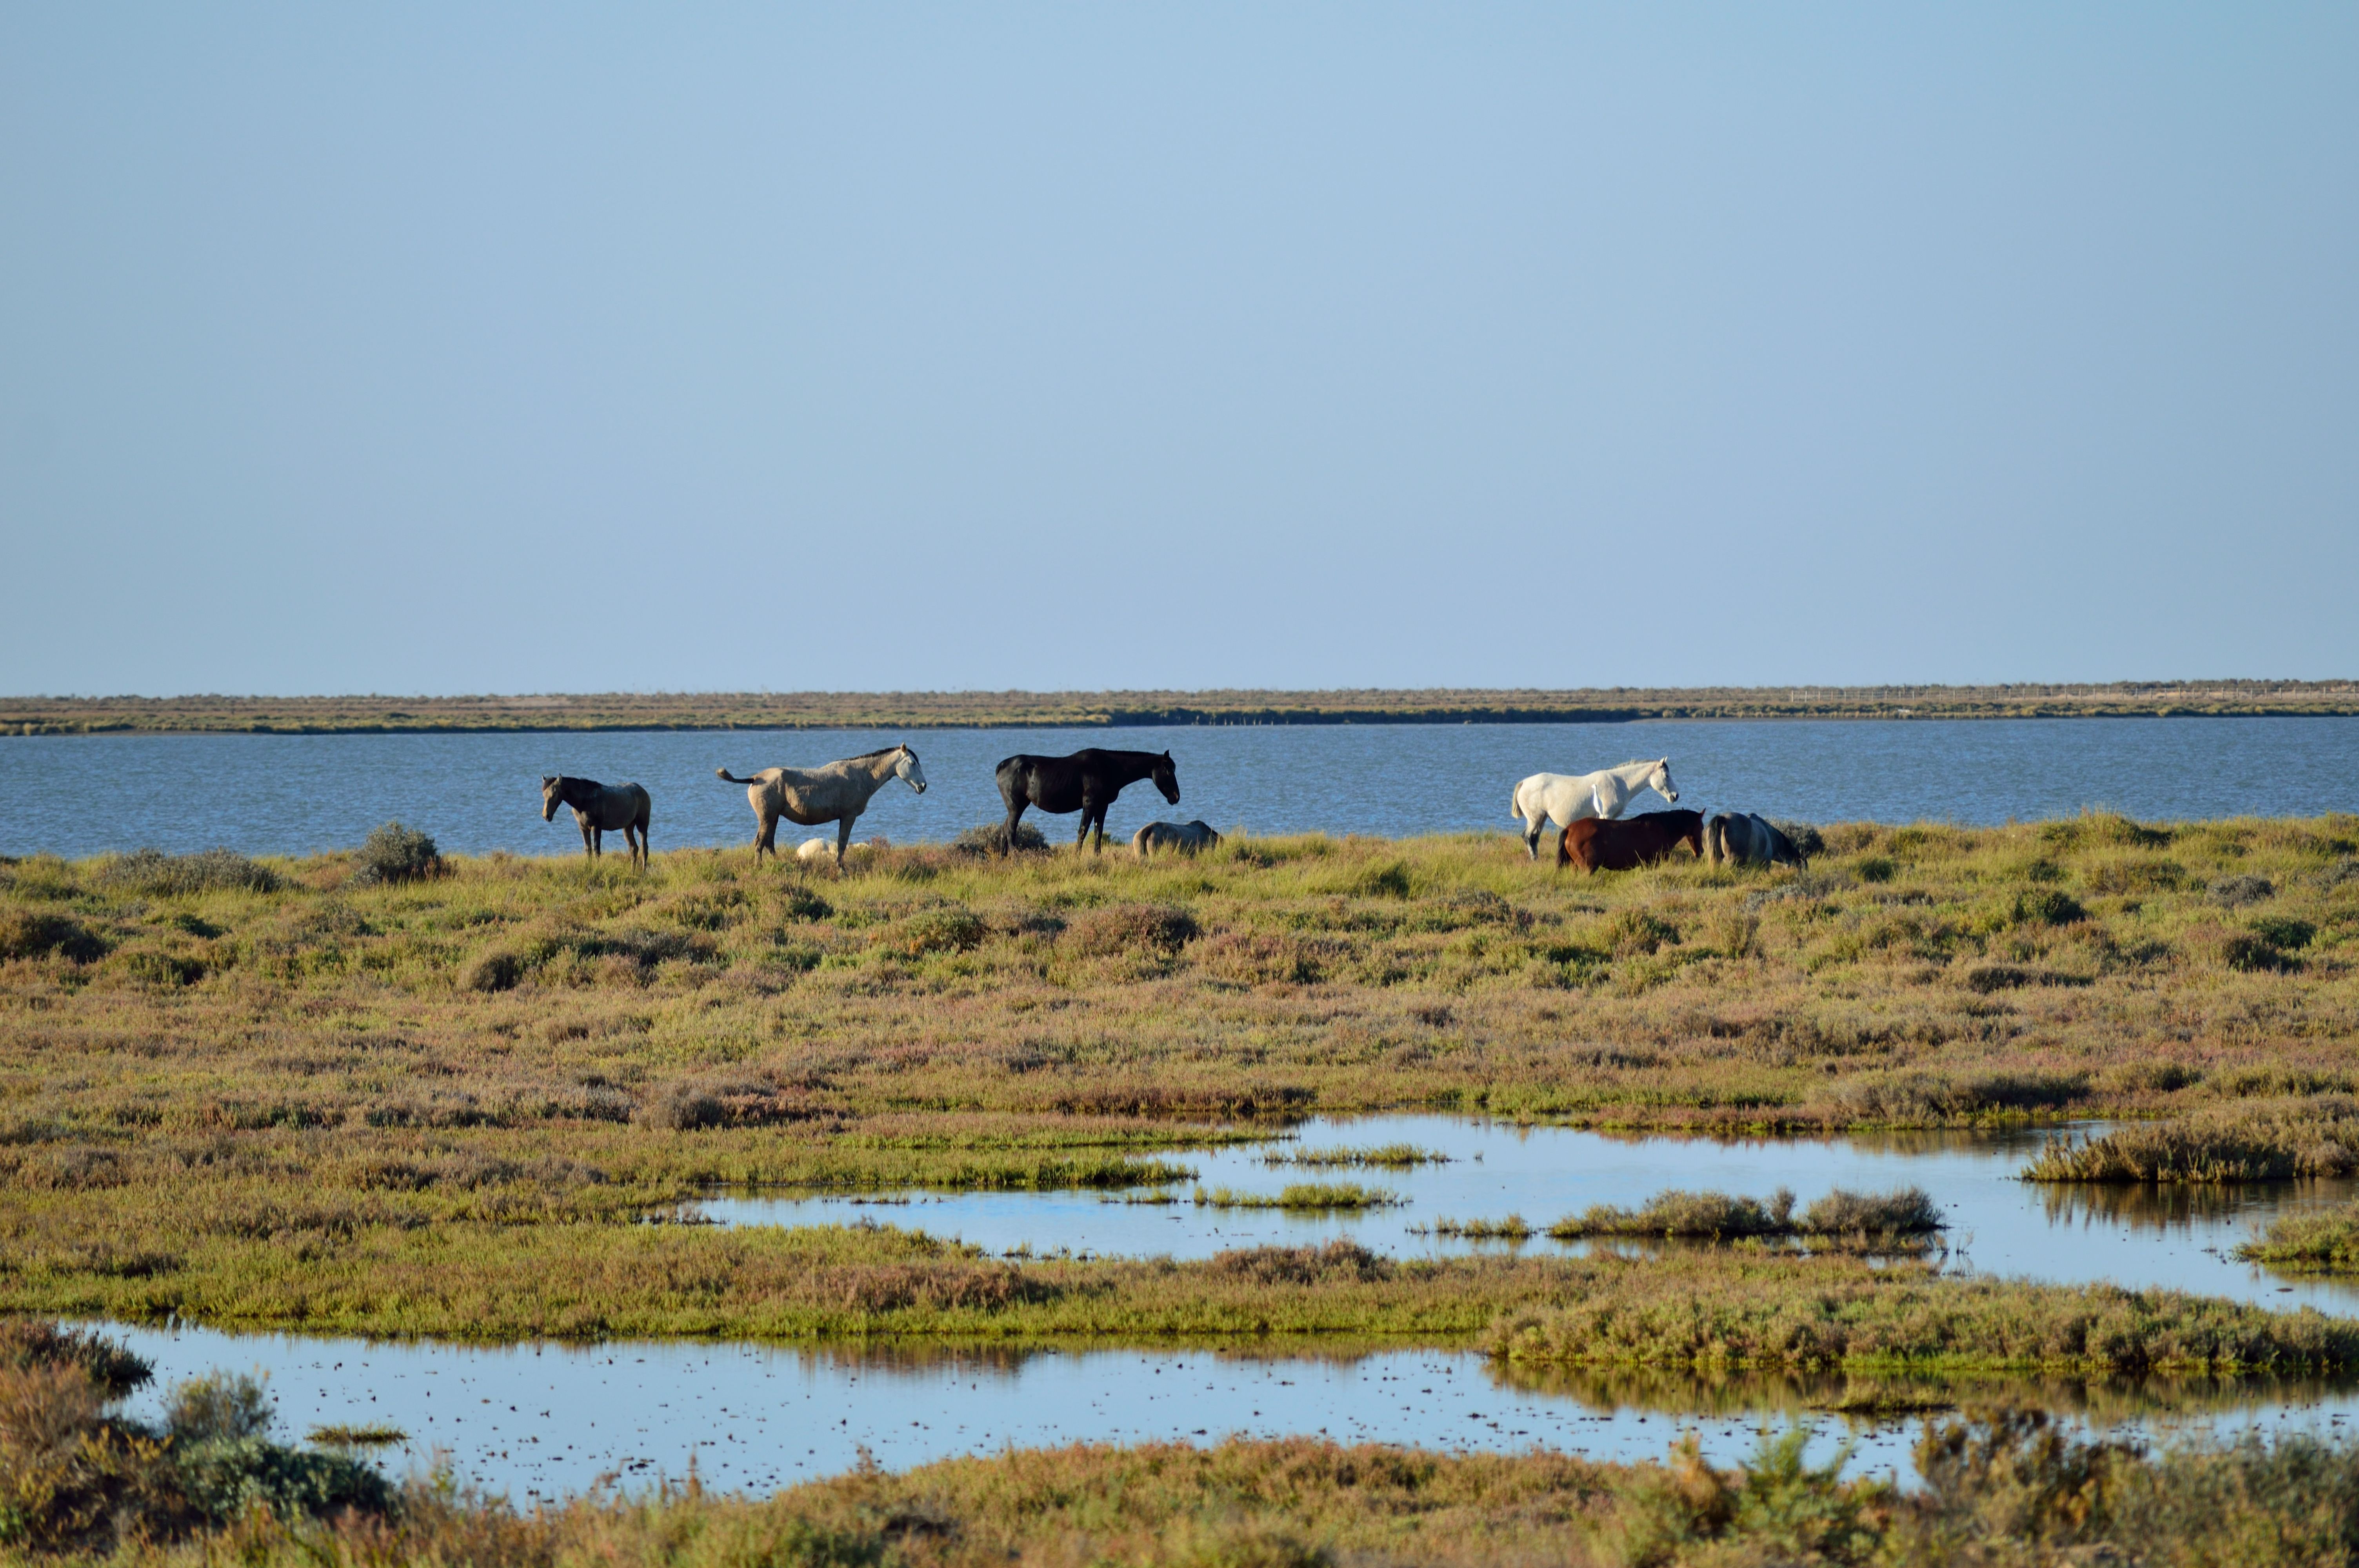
1602, 846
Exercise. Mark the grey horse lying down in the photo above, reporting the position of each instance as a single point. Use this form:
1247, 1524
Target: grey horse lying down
1748, 840
1187, 839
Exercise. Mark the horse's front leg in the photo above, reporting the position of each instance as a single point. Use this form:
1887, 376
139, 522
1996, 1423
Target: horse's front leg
842, 839
584, 823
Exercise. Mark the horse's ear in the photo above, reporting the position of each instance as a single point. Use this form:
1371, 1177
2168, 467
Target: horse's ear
546, 780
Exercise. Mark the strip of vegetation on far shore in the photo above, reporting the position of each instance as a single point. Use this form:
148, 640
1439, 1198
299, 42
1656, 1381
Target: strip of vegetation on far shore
923, 710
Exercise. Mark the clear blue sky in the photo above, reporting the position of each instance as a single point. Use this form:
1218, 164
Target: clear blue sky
445, 348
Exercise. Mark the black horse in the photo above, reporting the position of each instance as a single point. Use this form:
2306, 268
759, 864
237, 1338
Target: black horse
1085, 782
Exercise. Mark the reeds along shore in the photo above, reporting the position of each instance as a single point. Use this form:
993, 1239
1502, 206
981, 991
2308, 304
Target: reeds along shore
284, 1093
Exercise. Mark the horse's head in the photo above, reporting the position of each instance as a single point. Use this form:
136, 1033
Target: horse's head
1660, 781
552, 795
1691, 830
1167, 778
906, 769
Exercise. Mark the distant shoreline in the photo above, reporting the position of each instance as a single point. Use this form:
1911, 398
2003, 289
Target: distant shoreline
1123, 709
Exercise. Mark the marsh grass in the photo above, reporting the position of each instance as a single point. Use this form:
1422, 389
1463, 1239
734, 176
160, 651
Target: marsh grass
281, 1100
1303, 1195
2263, 1141
1512, 1229
1388, 1156
1908, 1212
2312, 1241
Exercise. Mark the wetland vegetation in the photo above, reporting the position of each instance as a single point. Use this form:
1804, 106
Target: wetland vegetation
298, 1095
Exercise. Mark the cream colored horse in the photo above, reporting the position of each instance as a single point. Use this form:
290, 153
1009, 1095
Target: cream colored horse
1566, 798
1185, 837
837, 793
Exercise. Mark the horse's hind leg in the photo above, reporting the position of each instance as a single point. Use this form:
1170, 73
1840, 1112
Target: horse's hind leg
1532, 836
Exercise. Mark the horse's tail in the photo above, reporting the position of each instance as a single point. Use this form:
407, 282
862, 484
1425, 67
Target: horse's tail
1715, 838
1516, 801
733, 778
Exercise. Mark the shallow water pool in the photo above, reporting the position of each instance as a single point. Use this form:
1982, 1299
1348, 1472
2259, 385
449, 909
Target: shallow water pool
1999, 1224
541, 1422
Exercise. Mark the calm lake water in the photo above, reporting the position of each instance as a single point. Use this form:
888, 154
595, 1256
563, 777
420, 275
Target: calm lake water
78, 796
1998, 1225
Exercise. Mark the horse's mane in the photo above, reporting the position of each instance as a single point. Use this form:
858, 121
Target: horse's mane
879, 751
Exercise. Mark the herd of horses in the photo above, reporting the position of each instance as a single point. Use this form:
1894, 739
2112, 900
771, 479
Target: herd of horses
1586, 808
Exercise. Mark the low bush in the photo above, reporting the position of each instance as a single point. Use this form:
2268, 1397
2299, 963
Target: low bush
797, 901
156, 875
1132, 928
395, 854
37, 934
1344, 1261
2234, 892
2044, 906
494, 969
991, 839
951, 928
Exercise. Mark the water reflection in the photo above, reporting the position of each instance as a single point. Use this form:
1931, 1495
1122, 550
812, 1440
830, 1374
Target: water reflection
2139, 1206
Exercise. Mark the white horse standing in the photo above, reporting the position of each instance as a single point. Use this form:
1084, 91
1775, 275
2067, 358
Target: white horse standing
837, 793
1566, 798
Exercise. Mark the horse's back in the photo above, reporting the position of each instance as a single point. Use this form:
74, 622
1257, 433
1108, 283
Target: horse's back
1187, 837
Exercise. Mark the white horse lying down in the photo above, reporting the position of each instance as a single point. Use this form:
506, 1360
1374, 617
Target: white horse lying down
1749, 841
1186, 839
818, 849
1565, 799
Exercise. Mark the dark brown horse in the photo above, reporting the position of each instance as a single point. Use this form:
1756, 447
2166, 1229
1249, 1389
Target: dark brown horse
1634, 841
1085, 782
600, 810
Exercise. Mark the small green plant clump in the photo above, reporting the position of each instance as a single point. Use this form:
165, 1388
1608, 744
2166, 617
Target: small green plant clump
393, 854
1908, 1212
1302, 1196
1388, 1156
